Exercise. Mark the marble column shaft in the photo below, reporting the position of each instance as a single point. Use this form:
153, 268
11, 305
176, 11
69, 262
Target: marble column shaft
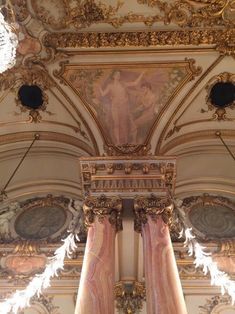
163, 287
96, 289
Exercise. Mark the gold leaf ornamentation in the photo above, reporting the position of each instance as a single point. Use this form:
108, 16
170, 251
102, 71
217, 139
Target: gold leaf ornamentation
154, 207
102, 207
195, 12
130, 297
221, 39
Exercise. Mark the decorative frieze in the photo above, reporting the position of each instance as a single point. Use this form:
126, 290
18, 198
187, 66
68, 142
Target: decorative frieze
126, 176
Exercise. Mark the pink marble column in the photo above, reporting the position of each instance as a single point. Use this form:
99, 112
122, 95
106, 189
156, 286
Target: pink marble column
163, 287
96, 288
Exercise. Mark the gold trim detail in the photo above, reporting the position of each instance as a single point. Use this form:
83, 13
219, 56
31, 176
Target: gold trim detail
212, 303
222, 39
85, 13
194, 13
220, 113
203, 200
102, 207
128, 149
14, 78
126, 176
196, 136
81, 14
173, 116
154, 207
46, 136
129, 296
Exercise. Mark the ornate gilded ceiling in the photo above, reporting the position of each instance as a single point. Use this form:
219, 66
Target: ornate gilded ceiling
117, 78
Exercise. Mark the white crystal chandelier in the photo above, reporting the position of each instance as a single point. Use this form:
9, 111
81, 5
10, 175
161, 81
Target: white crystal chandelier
8, 40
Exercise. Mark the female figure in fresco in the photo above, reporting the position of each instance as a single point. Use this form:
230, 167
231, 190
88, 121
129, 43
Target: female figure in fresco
123, 127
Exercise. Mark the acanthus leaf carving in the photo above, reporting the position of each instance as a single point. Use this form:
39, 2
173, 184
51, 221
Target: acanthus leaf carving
102, 207
154, 207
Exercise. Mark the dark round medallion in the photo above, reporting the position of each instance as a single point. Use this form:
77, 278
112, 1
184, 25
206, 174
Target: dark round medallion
214, 221
40, 222
222, 94
30, 96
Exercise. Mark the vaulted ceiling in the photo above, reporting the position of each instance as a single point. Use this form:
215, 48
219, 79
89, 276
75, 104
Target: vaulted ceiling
119, 78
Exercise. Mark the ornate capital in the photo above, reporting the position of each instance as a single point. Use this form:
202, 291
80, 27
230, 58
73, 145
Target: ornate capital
154, 207
130, 297
102, 207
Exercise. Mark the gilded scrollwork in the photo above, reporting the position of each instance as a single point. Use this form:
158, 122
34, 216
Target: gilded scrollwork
195, 12
80, 15
86, 13
212, 303
127, 149
154, 207
219, 113
130, 297
102, 207
15, 78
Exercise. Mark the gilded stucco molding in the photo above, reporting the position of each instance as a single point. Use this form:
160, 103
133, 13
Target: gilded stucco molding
127, 149
102, 207
85, 13
174, 119
14, 78
127, 176
153, 207
206, 199
195, 13
219, 113
199, 213
147, 39
23, 75
213, 303
129, 297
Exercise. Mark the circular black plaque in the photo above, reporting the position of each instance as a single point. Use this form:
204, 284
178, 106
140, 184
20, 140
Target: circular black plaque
40, 222
31, 96
222, 94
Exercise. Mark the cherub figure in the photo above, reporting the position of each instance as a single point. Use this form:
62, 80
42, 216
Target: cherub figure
6, 214
77, 225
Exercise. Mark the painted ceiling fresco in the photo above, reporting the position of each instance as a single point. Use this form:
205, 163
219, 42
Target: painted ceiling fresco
126, 100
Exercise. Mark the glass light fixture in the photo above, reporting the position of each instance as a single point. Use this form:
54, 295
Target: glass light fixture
8, 37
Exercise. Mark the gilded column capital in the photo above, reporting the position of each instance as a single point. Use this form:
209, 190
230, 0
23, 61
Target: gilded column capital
102, 207
154, 207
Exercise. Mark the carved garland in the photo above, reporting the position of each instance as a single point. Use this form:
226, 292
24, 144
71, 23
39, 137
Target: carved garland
222, 39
